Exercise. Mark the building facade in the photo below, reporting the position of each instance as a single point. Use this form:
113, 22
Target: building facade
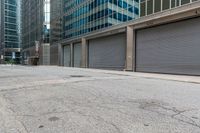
153, 6
56, 20
10, 31
35, 31
164, 39
84, 16
56, 29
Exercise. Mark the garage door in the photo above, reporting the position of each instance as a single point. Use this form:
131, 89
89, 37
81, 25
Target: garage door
173, 48
66, 57
77, 55
108, 52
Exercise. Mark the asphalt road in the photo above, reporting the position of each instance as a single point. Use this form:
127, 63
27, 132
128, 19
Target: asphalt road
69, 100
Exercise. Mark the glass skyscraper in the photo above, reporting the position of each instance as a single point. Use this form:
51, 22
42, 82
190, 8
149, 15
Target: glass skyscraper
56, 20
56, 29
32, 22
73, 18
35, 30
84, 16
10, 30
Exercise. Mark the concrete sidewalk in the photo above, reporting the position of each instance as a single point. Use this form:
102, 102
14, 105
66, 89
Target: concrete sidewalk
171, 77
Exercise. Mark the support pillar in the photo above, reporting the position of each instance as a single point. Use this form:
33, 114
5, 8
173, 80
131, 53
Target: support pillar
130, 49
84, 52
60, 53
71, 55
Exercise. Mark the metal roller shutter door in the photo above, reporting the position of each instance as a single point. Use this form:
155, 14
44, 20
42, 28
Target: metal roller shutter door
77, 55
108, 52
173, 48
66, 57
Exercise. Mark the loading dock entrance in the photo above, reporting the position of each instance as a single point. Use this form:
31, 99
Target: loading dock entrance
67, 56
172, 48
108, 52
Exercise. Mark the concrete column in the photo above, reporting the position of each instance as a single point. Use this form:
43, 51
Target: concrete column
72, 54
84, 52
60, 54
130, 49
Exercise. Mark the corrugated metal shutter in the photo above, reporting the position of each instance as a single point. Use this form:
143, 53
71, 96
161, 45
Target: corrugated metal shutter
66, 55
108, 52
77, 55
173, 48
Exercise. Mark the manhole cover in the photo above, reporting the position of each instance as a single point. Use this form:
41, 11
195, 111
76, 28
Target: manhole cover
77, 76
54, 119
41, 126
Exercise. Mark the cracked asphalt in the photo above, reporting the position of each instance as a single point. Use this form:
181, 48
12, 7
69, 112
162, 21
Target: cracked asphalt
48, 99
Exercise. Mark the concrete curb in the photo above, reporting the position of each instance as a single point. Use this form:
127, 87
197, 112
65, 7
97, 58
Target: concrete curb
170, 77
179, 78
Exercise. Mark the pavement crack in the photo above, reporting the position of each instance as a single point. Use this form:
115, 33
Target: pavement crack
155, 106
190, 120
24, 127
115, 126
101, 119
180, 112
9, 116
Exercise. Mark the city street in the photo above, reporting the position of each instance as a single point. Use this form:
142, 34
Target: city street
50, 99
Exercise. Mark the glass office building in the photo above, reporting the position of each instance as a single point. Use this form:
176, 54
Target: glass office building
83, 16
32, 22
10, 30
56, 20
56, 29
35, 29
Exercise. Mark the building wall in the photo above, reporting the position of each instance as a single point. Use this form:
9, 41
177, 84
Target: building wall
92, 15
55, 20
56, 29
10, 30
152, 6
32, 22
183, 13
73, 19
35, 27
44, 54
54, 55
0, 24
164, 15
